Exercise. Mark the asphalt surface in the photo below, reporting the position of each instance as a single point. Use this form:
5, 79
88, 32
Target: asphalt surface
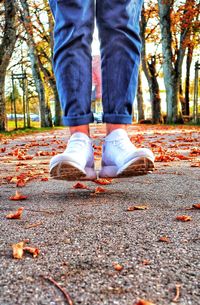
81, 235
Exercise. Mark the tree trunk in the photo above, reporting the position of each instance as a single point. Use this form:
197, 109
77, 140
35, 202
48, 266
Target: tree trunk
6, 50
149, 69
140, 100
172, 89
34, 62
187, 80
154, 92
51, 79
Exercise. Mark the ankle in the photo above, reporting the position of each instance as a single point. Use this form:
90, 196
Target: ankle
81, 128
110, 127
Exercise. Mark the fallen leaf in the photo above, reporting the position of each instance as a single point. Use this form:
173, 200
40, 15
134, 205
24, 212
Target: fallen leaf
18, 196
99, 189
144, 302
118, 267
21, 183
196, 206
137, 207
164, 239
18, 250
196, 164
103, 181
184, 218
34, 251
163, 158
16, 215
79, 185
44, 179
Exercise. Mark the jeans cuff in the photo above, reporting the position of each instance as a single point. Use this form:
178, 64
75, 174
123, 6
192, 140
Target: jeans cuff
78, 120
117, 118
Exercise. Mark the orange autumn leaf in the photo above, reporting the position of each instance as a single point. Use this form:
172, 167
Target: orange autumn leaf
79, 185
104, 181
18, 250
197, 164
34, 251
16, 215
117, 267
144, 302
99, 189
164, 239
163, 158
44, 179
21, 183
137, 207
184, 218
18, 196
196, 206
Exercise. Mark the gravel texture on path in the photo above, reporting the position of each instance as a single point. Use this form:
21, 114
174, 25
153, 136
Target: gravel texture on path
81, 235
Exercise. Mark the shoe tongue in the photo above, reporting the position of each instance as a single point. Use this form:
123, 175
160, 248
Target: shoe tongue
80, 135
116, 134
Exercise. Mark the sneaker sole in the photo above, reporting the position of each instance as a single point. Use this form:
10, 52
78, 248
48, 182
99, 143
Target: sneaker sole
70, 172
136, 167
141, 166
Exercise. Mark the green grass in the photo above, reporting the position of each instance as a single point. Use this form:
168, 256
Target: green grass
20, 124
35, 127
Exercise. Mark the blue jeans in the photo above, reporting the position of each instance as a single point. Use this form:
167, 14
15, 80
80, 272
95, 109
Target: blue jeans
118, 25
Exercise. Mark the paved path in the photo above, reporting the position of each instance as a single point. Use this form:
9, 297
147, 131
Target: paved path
81, 235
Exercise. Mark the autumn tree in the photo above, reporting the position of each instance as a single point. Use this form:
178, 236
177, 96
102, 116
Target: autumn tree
191, 42
175, 22
7, 45
45, 51
24, 10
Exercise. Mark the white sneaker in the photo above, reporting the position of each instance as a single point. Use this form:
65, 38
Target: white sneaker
122, 159
76, 162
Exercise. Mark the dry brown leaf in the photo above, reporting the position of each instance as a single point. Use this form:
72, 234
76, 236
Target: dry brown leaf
18, 250
18, 196
137, 207
196, 164
196, 206
21, 183
99, 189
165, 239
184, 218
16, 215
103, 181
44, 179
79, 185
34, 251
118, 267
144, 302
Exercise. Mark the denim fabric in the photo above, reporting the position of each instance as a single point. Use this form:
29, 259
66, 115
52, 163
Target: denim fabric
118, 25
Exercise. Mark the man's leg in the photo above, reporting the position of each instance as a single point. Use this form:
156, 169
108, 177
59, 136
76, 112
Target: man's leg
118, 24
72, 62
